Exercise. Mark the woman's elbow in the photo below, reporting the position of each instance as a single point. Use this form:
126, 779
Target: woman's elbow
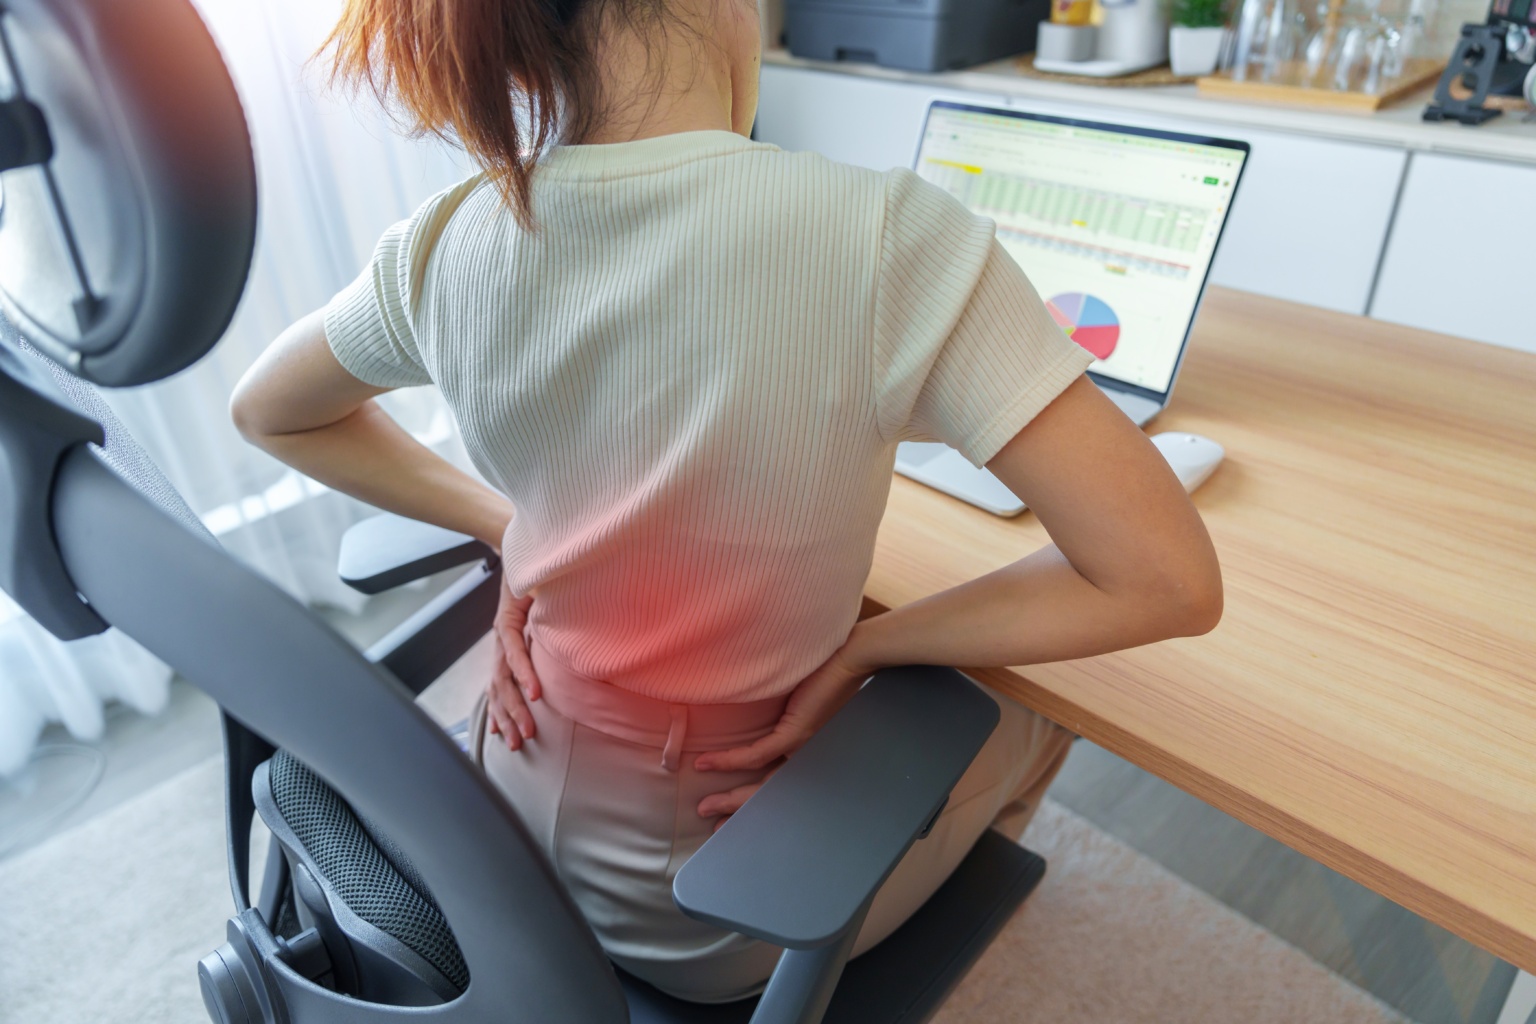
1194, 602
245, 412
253, 414
1203, 608
1172, 600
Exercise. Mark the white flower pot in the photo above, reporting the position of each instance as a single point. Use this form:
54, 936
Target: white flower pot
1193, 51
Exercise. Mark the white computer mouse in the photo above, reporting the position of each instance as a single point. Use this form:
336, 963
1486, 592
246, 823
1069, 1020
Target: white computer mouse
1193, 458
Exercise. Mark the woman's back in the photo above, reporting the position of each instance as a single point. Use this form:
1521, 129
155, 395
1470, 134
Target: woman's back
690, 378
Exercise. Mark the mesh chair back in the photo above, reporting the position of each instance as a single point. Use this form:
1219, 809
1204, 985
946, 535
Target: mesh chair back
387, 892
121, 451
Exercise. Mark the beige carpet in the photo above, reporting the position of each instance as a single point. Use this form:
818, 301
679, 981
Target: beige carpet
1111, 936
106, 924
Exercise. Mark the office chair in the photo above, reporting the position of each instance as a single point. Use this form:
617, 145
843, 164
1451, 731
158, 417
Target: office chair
400, 884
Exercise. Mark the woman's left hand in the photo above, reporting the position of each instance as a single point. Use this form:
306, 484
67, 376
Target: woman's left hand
812, 704
514, 684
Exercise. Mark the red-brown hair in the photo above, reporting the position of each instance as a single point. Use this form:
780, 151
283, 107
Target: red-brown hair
503, 78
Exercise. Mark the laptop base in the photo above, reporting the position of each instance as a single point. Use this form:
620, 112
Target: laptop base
1140, 409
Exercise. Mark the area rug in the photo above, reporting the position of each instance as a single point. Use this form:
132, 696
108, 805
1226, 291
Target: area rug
104, 924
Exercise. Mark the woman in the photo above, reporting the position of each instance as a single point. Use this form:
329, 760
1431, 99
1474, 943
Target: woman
685, 359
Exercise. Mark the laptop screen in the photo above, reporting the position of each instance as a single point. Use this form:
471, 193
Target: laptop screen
1116, 227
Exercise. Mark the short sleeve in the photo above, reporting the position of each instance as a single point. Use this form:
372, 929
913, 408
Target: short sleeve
966, 352
370, 324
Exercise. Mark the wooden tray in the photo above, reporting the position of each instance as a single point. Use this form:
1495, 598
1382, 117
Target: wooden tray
1290, 85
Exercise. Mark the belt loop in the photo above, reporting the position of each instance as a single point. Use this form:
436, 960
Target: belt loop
675, 736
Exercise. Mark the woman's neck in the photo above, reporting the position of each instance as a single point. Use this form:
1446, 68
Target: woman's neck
699, 75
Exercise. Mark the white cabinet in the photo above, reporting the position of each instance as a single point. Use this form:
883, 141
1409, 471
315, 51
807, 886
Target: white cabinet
863, 121
1308, 224
1462, 255
1309, 221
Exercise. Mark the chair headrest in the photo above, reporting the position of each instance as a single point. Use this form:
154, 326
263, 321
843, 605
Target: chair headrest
127, 186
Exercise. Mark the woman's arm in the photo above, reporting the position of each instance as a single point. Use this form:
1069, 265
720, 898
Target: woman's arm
1130, 564
300, 405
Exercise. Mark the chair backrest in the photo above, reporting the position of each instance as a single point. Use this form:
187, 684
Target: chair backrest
276, 668
92, 536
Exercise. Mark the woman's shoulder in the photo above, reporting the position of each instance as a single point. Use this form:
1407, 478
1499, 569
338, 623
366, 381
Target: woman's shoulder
821, 171
898, 194
894, 204
432, 216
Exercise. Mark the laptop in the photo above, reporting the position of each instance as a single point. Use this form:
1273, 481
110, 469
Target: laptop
1115, 226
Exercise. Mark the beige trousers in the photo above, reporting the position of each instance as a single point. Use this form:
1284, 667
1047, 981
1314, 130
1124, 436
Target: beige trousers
608, 788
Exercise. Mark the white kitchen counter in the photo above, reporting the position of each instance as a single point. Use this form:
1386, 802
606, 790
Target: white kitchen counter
1507, 137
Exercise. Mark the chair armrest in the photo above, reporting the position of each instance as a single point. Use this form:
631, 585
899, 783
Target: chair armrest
439, 633
798, 865
387, 550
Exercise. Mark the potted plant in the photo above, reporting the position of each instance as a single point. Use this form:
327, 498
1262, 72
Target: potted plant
1195, 34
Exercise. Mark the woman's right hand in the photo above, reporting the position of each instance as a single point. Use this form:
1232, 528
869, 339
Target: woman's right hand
514, 684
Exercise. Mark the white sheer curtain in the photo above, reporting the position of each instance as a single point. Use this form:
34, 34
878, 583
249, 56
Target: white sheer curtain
333, 176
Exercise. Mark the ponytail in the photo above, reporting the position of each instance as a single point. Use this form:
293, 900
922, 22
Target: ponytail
502, 78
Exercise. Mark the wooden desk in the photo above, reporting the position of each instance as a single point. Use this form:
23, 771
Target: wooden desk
1370, 695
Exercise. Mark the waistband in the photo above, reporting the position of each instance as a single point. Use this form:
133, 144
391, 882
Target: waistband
671, 728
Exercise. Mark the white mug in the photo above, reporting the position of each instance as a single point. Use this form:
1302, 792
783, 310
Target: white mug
1065, 42
1133, 32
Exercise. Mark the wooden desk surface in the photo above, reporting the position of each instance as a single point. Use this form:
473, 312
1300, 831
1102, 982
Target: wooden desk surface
1370, 695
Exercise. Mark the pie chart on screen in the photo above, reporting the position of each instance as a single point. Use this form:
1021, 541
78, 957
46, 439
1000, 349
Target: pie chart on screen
1088, 320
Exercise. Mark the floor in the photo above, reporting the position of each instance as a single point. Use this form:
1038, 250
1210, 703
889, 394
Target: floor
139, 753
1422, 970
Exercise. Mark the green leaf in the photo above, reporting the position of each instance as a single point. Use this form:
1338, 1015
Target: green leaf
1198, 13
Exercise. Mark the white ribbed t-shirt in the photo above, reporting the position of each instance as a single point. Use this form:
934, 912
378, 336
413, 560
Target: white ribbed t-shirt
690, 380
